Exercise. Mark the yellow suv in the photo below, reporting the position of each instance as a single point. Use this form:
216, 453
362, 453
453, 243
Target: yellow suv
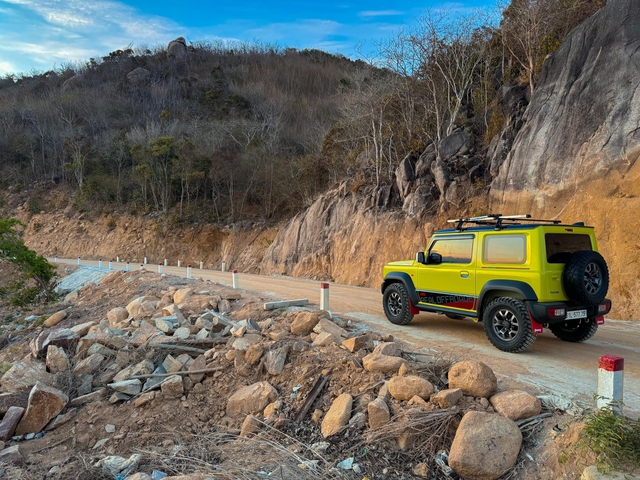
515, 274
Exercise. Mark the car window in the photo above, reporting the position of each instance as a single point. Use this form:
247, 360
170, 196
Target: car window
505, 249
453, 250
560, 246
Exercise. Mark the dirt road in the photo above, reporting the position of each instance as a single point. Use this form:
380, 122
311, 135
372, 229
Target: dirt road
551, 366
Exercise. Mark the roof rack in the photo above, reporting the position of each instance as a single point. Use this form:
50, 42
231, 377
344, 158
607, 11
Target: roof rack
497, 219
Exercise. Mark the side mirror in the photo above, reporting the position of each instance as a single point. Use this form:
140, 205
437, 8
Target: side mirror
435, 258
420, 257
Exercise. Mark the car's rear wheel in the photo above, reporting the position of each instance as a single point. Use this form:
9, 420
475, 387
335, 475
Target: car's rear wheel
508, 325
395, 302
575, 331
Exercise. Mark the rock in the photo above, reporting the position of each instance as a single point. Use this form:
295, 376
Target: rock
324, 339
391, 349
89, 364
253, 354
10, 422
36, 345
182, 333
44, 404
245, 342
421, 470
11, 455
274, 360
251, 399
173, 311
119, 397
337, 416
440, 175
250, 425
417, 401
406, 175
119, 466
108, 338
405, 388
358, 421
304, 322
144, 399
375, 362
415, 202
272, 409
167, 324
71, 297
24, 375
378, 413
592, 473
142, 306
55, 319
138, 75
486, 446
76, 81
172, 387
516, 404
82, 329
143, 334
238, 331
200, 363
181, 295
456, 143
62, 337
61, 419
95, 396
129, 387
117, 315
325, 325
447, 398
177, 49
356, 343
473, 378
143, 368
57, 359
14, 399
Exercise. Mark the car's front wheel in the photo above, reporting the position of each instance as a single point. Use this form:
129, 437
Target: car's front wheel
395, 302
575, 331
508, 325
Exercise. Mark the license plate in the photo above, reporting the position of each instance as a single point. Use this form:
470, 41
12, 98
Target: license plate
576, 314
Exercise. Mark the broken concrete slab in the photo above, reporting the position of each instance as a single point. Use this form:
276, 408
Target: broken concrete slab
301, 302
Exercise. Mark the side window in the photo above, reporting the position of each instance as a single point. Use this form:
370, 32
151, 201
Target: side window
505, 249
453, 250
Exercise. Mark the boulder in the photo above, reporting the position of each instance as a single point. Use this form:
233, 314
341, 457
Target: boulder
57, 359
138, 75
24, 375
274, 360
182, 333
14, 399
324, 339
592, 473
62, 337
516, 404
406, 175
440, 175
253, 354
392, 349
304, 322
251, 399
378, 413
486, 446
143, 368
177, 49
326, 325
143, 334
181, 295
142, 306
405, 388
338, 415
456, 143
415, 202
473, 378
172, 387
356, 343
375, 362
129, 387
82, 329
250, 425
117, 315
245, 342
44, 404
89, 364
55, 319
447, 398
10, 422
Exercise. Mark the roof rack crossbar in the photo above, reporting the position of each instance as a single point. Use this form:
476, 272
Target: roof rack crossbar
497, 220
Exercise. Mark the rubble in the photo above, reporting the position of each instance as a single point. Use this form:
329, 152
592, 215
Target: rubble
44, 404
474, 378
338, 415
405, 388
516, 404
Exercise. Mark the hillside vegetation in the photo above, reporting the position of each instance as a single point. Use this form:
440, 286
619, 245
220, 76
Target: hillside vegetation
220, 132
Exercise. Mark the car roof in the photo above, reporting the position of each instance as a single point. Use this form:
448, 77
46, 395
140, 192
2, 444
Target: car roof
517, 226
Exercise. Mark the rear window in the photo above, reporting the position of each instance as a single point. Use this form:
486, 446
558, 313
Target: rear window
560, 246
505, 249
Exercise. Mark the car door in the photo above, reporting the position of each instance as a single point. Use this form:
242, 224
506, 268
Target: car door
449, 285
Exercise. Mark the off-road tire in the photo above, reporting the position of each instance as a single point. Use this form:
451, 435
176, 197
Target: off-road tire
508, 325
396, 304
586, 278
575, 331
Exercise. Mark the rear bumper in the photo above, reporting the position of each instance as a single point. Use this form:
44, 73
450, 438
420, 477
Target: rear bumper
540, 311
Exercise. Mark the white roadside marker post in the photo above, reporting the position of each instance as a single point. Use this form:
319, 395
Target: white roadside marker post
110, 265
234, 276
324, 296
100, 263
224, 266
159, 268
145, 260
610, 382
141, 266
55, 259
118, 259
179, 263
188, 271
79, 261
165, 262
201, 265
126, 268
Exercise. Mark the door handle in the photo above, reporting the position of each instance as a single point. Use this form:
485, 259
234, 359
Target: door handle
464, 274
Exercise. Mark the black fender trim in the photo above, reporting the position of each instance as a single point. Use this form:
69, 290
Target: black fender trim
521, 288
404, 278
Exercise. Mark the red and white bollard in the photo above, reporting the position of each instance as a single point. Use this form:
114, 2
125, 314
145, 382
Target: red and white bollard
141, 267
110, 265
79, 261
100, 263
224, 266
126, 267
324, 296
159, 268
188, 271
234, 276
610, 381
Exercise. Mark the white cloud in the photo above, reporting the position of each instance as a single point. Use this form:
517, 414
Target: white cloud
379, 13
6, 67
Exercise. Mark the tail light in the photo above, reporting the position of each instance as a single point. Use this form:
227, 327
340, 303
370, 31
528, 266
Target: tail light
604, 307
557, 312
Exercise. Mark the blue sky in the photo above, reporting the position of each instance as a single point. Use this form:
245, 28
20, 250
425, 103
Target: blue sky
43, 34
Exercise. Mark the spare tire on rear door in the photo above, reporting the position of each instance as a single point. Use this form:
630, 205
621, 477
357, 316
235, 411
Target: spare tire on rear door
586, 277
